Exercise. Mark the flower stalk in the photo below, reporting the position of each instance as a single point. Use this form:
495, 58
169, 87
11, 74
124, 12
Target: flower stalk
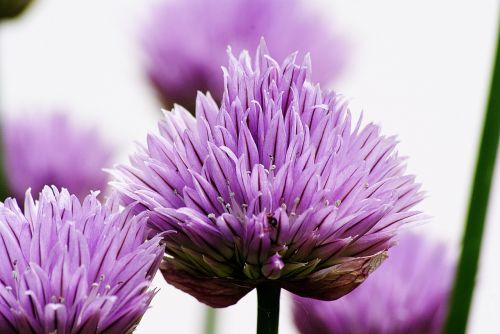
210, 320
478, 203
268, 308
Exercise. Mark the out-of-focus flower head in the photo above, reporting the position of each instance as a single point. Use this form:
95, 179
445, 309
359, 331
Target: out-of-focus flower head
409, 294
71, 267
185, 41
50, 149
276, 184
12, 8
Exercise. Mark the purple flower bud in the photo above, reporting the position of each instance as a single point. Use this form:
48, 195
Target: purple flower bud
272, 268
276, 184
410, 293
73, 267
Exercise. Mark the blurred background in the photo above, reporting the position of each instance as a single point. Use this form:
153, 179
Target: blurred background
420, 69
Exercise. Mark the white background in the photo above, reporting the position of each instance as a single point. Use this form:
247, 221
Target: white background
418, 68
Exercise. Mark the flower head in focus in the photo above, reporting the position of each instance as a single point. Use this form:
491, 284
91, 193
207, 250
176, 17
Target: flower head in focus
71, 267
178, 68
276, 184
410, 294
50, 149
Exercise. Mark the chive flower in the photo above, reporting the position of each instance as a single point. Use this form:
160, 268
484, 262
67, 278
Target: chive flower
179, 67
51, 149
73, 267
410, 295
278, 184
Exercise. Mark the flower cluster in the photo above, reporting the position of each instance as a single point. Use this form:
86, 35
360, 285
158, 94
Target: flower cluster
409, 294
276, 184
49, 150
179, 68
71, 267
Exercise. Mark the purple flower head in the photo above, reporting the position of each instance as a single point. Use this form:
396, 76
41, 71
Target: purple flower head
71, 267
49, 149
409, 294
179, 67
276, 184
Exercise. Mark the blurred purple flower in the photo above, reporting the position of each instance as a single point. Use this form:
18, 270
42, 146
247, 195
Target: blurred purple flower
71, 267
179, 66
275, 185
49, 149
409, 295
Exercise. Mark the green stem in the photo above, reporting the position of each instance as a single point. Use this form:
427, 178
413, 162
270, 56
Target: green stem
210, 320
478, 202
268, 308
